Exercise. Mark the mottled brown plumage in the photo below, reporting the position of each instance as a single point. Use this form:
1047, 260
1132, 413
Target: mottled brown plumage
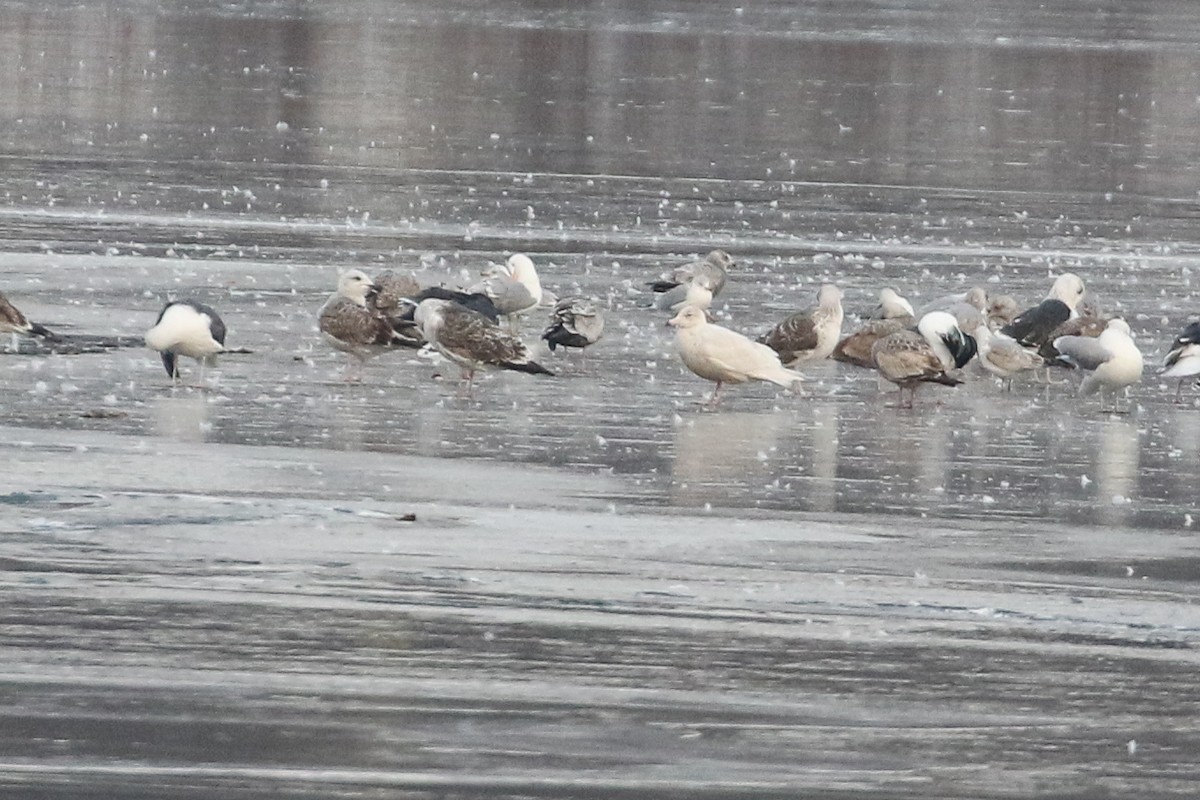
1090, 327
471, 340
13, 321
391, 290
856, 348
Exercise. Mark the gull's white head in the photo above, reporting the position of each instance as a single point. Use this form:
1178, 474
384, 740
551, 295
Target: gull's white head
719, 258
688, 317
520, 266
829, 296
893, 304
354, 284
1068, 288
1118, 324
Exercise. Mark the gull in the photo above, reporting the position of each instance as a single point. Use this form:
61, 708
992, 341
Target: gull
724, 356
1183, 361
695, 283
1004, 357
809, 336
891, 305
575, 322
1001, 310
351, 323
471, 340
187, 328
1112, 359
934, 353
855, 348
513, 287
14, 322
975, 297
1035, 326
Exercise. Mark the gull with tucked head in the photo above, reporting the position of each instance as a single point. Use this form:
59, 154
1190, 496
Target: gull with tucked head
187, 328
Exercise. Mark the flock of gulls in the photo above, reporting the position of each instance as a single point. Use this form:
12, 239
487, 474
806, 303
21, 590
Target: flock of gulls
478, 327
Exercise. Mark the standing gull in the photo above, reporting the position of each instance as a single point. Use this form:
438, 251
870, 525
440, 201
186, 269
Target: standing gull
855, 348
187, 328
1112, 359
14, 322
472, 341
724, 356
809, 336
1004, 357
514, 287
695, 283
575, 322
1036, 326
1183, 361
351, 323
934, 353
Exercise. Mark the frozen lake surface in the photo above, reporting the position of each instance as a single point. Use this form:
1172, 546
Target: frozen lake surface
588, 585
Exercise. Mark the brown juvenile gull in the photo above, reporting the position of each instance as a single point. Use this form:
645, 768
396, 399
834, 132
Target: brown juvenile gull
856, 347
809, 336
1183, 361
186, 328
351, 323
1003, 357
934, 353
575, 322
472, 341
724, 356
695, 283
1112, 360
14, 322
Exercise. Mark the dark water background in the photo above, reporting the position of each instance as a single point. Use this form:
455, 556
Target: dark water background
990, 595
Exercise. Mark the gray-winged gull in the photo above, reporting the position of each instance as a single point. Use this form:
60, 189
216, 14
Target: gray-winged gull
724, 356
514, 286
809, 336
472, 341
934, 353
1112, 360
186, 328
1004, 357
575, 322
1183, 361
975, 296
695, 283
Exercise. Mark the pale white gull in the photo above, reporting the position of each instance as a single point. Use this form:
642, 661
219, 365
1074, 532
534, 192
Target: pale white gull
724, 356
